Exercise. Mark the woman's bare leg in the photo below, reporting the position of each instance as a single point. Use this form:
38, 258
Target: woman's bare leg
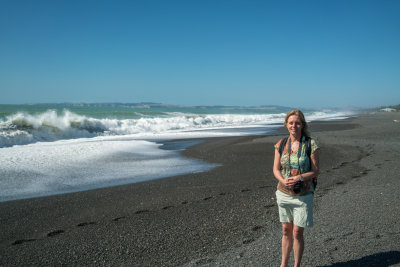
287, 242
298, 244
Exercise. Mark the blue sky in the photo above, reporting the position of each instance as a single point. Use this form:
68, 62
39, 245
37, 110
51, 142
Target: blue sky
197, 52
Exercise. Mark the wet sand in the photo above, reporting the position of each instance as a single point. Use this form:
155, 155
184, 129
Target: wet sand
226, 216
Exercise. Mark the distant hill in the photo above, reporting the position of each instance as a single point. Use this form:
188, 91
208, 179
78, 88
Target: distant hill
160, 105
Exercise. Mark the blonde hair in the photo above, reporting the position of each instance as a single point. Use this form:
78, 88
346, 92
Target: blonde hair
304, 129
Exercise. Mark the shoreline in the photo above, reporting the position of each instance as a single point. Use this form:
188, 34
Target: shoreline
49, 183
176, 145
221, 217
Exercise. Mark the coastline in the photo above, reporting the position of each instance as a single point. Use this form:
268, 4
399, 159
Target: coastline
226, 216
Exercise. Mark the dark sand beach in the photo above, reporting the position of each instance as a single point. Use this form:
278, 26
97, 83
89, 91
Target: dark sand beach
226, 216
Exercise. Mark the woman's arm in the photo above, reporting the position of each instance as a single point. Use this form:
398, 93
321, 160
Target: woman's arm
277, 171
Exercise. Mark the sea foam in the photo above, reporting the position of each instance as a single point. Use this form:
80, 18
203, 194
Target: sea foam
73, 165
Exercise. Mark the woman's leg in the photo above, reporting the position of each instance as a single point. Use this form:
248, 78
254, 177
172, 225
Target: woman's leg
287, 242
298, 245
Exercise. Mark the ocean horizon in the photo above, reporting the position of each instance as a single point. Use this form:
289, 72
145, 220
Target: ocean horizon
49, 149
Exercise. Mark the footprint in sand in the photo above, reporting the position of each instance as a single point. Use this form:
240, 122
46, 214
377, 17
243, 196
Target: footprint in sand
141, 211
347, 234
54, 233
20, 241
118, 218
204, 261
256, 228
248, 241
329, 239
86, 224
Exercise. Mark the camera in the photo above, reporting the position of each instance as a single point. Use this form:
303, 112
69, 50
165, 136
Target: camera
297, 187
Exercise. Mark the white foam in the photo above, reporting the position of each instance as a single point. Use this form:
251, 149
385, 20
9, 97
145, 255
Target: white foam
329, 115
74, 165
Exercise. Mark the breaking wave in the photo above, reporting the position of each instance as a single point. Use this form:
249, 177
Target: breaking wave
23, 128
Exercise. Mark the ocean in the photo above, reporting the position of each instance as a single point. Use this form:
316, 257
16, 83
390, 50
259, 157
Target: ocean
52, 149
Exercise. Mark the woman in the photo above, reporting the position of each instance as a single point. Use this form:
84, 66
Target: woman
296, 175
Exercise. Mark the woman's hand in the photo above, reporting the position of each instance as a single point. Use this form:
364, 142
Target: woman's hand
289, 182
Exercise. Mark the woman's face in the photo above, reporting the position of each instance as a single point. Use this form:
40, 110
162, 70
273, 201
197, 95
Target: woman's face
294, 125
